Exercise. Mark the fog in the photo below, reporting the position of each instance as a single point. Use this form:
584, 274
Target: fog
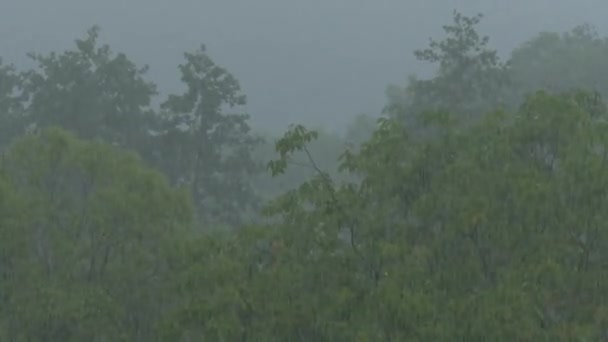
316, 62
472, 209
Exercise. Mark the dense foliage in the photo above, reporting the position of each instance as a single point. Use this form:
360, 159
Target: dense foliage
473, 209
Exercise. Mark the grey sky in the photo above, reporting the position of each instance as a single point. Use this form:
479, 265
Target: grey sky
313, 61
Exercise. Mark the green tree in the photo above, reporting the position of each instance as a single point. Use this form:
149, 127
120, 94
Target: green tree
492, 230
205, 148
360, 130
477, 234
470, 78
91, 92
561, 62
85, 256
326, 150
12, 100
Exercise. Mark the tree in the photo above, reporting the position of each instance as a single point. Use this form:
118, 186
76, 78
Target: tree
204, 147
470, 79
85, 254
91, 92
561, 62
360, 130
481, 227
326, 149
492, 230
12, 101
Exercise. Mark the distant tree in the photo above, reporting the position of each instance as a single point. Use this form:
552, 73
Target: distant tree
91, 92
470, 78
12, 101
360, 130
561, 62
202, 146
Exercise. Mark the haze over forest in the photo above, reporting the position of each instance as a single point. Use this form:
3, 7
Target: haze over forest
294, 180
317, 62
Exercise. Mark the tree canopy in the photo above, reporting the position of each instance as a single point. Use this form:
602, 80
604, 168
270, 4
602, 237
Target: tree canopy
472, 209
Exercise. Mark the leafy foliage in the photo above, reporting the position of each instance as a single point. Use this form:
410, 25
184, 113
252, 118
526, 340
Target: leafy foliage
85, 248
491, 228
12, 100
205, 148
476, 220
92, 92
470, 79
561, 62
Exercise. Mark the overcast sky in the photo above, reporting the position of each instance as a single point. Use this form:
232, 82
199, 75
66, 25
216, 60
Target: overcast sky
313, 61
